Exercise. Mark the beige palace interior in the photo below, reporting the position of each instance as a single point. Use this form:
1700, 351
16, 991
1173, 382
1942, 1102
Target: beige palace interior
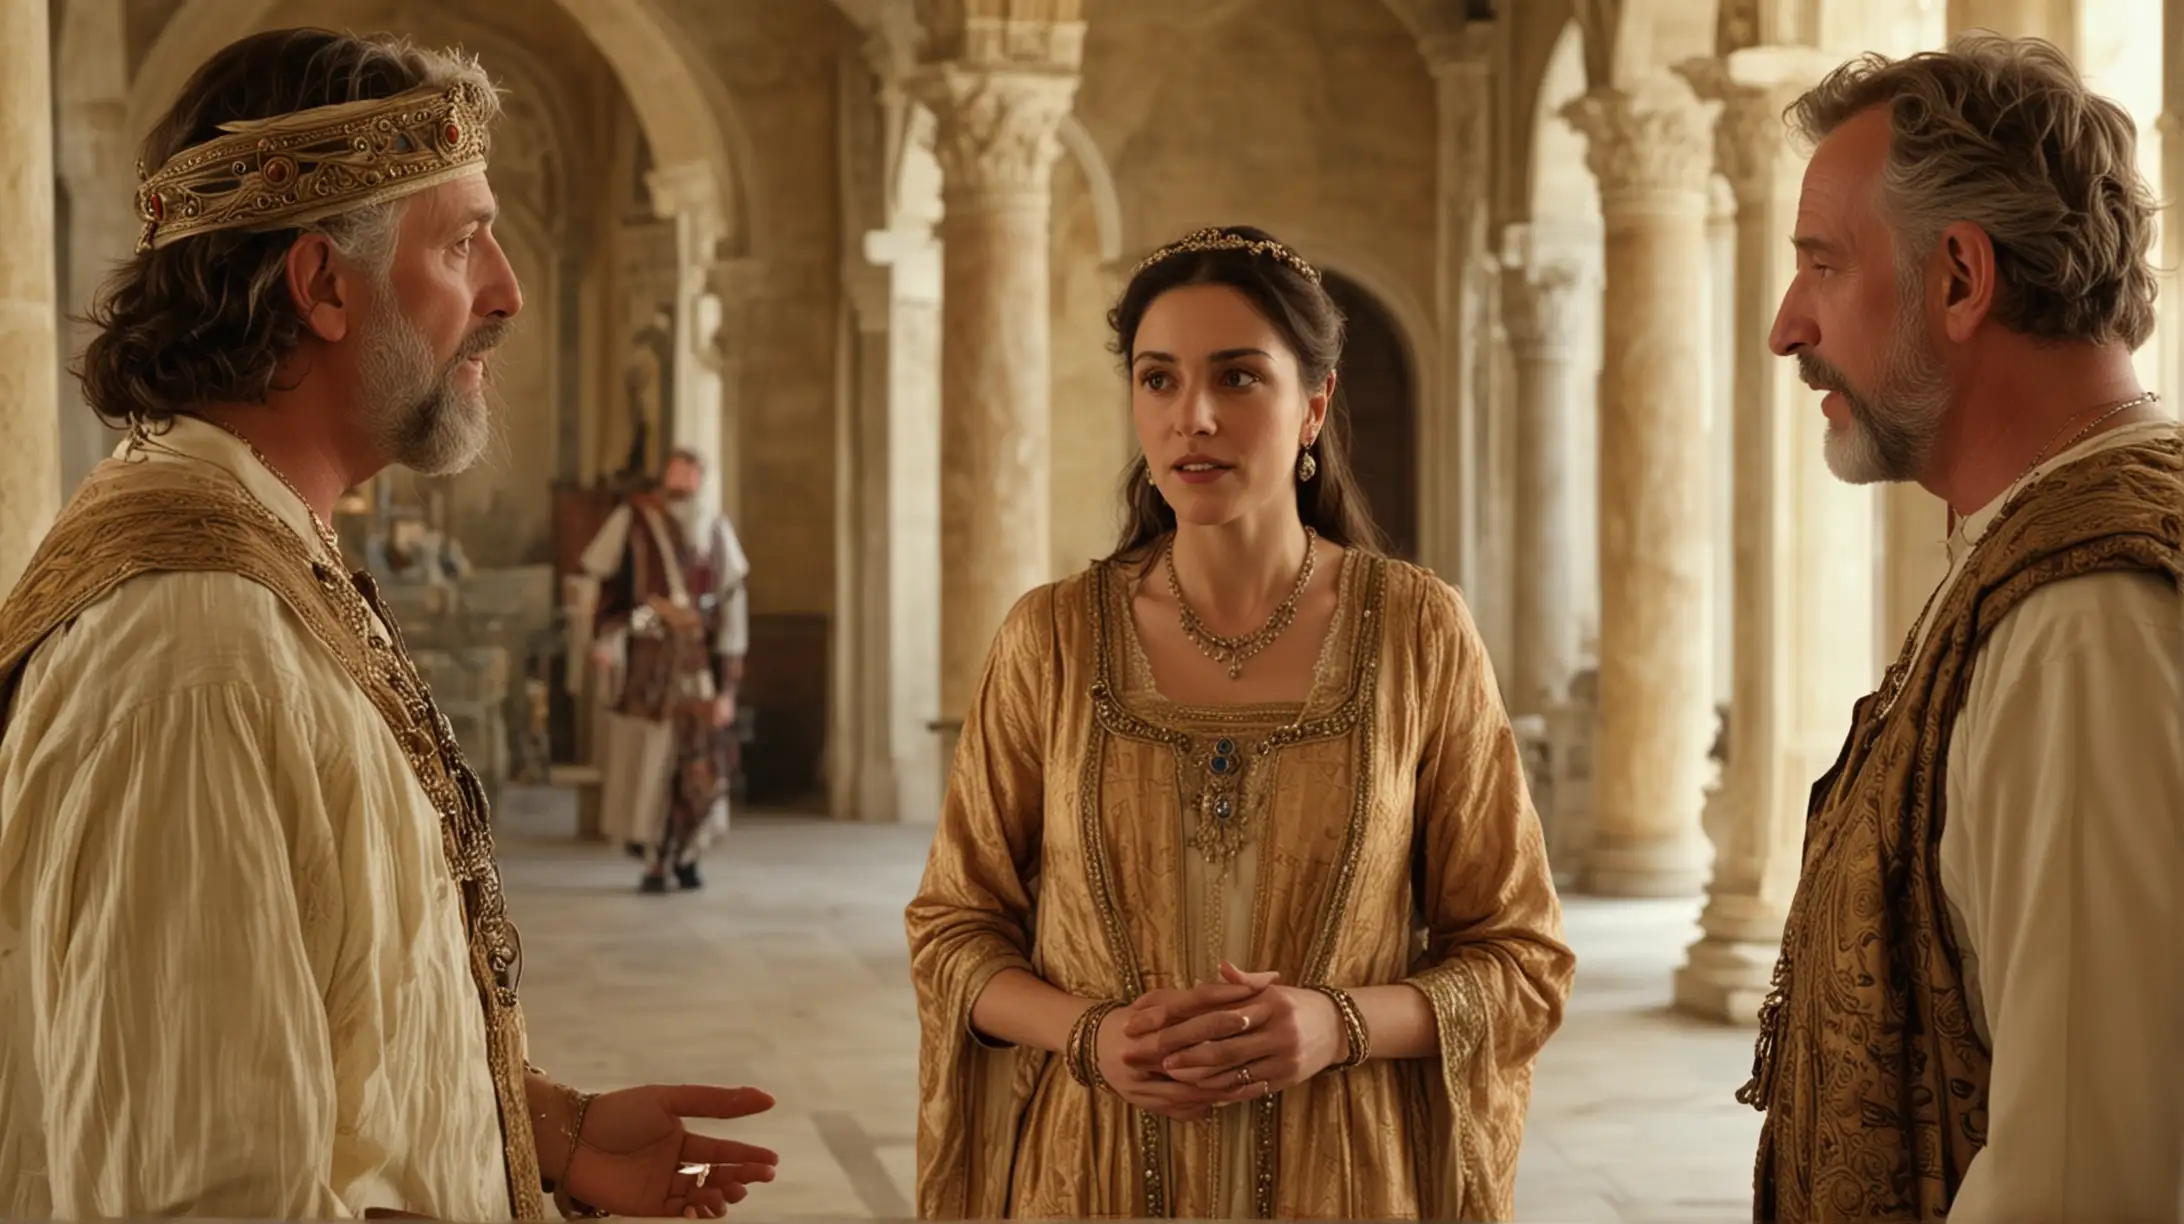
760, 227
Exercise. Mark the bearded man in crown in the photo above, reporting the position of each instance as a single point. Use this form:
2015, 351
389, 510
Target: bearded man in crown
255, 961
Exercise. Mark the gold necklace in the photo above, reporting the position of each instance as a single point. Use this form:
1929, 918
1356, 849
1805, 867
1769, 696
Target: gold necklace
1899, 672
325, 533
1231, 652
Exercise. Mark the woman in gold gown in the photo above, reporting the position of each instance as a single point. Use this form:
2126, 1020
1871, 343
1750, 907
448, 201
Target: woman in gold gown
1238, 906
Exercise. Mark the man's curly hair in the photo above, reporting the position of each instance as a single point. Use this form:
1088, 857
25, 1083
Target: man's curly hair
2003, 133
208, 319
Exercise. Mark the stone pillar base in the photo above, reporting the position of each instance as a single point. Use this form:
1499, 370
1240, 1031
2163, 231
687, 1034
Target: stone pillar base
1620, 865
1725, 975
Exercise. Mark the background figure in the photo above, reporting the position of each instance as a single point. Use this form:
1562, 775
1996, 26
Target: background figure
672, 626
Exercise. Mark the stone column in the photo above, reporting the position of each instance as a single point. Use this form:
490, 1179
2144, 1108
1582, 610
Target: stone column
688, 195
1721, 403
996, 143
30, 484
738, 285
1450, 492
1540, 303
1803, 577
1649, 146
913, 482
94, 158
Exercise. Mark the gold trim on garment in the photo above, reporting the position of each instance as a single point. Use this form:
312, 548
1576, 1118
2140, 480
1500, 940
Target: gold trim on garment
1111, 717
133, 518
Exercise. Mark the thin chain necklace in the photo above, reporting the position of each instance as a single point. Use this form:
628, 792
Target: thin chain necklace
325, 533
1231, 652
1899, 671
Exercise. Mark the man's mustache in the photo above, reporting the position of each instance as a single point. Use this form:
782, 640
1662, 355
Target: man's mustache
1819, 375
490, 335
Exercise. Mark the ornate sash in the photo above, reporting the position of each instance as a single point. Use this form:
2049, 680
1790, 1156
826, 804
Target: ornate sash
133, 518
1868, 1067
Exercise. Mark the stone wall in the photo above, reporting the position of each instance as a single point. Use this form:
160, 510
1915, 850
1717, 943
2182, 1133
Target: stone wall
1093, 438
778, 63
1314, 119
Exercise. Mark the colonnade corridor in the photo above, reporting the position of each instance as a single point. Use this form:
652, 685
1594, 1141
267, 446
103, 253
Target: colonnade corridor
789, 972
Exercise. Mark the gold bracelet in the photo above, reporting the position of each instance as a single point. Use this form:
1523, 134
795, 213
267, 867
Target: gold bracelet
1353, 1027
1082, 1054
575, 1132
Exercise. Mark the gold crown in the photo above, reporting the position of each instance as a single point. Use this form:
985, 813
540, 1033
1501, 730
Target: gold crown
291, 170
1216, 240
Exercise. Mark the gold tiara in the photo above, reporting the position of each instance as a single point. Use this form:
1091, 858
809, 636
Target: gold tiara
1217, 240
291, 170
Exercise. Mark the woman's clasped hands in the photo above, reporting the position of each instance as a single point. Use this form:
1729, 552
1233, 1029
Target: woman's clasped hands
1184, 1053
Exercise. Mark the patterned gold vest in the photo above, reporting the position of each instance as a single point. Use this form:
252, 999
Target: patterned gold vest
133, 518
1872, 1077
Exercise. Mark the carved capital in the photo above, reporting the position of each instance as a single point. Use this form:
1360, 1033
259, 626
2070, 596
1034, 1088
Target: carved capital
1540, 306
996, 134
1650, 146
1754, 87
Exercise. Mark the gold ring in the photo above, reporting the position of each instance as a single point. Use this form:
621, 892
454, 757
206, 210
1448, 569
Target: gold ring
1243, 1075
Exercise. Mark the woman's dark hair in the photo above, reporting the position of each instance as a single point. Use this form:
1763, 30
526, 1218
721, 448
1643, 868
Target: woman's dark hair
208, 319
1310, 323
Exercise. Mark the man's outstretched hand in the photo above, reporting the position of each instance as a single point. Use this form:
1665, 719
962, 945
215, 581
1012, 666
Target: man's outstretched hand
636, 1158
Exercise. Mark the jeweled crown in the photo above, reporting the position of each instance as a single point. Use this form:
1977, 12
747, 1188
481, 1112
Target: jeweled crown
291, 170
1212, 239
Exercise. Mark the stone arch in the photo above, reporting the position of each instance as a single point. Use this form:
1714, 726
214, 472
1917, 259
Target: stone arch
1378, 393
1414, 333
1629, 40
1099, 184
683, 108
1564, 199
1414, 321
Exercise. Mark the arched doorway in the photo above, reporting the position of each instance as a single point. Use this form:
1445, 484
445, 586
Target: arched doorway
1376, 394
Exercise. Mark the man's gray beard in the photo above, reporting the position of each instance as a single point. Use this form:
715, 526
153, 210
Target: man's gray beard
1890, 433
688, 515
413, 410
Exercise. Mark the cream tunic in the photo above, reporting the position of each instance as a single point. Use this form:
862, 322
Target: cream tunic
234, 979
2062, 859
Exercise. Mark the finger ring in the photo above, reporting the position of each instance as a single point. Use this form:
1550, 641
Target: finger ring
1246, 1018
1243, 1075
699, 1171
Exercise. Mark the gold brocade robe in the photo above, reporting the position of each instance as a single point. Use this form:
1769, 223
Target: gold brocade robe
1379, 833
133, 518
1871, 1072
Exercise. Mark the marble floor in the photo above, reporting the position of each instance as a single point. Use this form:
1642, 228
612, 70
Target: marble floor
788, 972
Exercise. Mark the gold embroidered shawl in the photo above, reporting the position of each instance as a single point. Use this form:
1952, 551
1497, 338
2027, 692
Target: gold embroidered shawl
1407, 849
1871, 1074
132, 518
